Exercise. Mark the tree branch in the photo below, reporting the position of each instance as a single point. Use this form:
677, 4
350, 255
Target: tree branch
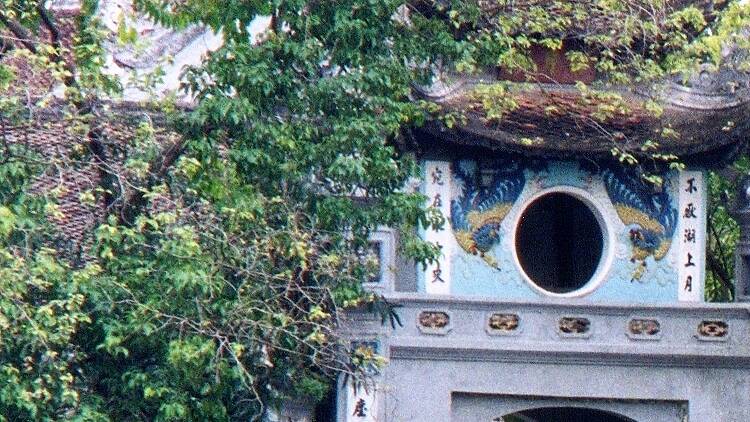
137, 200
54, 31
719, 271
23, 35
49, 23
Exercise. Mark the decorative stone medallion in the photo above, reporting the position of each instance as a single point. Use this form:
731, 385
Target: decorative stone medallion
574, 327
434, 322
713, 329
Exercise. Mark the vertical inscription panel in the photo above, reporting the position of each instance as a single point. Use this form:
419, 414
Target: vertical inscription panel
438, 192
691, 237
361, 404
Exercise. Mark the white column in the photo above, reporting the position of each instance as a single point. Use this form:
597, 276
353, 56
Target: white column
362, 405
691, 236
438, 191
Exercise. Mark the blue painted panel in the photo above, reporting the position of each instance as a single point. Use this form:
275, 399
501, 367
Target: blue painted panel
639, 224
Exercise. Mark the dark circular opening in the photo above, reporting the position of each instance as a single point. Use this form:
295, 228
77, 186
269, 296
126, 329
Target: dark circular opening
559, 242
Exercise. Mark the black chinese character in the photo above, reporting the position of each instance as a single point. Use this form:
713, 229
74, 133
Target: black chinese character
690, 262
437, 176
689, 283
360, 410
690, 211
436, 275
690, 235
438, 201
691, 185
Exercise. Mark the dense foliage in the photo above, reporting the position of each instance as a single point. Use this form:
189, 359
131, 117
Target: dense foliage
41, 303
215, 281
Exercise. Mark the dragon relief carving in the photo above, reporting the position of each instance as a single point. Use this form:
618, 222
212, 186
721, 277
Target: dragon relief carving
649, 216
483, 198
480, 206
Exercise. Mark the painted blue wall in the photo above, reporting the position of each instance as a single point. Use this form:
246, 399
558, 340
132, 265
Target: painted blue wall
640, 257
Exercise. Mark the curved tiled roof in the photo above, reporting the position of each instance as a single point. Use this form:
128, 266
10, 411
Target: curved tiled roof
704, 119
72, 168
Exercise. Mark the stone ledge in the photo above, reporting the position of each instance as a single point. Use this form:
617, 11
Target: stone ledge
460, 302
564, 331
546, 354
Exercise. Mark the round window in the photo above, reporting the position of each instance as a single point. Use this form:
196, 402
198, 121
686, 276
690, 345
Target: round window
559, 242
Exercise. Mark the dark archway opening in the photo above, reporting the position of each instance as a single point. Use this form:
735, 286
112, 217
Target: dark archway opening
564, 414
559, 242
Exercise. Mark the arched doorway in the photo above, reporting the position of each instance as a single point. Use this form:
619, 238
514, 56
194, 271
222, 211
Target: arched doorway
563, 414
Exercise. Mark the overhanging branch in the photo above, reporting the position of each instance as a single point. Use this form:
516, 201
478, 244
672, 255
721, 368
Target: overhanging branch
23, 35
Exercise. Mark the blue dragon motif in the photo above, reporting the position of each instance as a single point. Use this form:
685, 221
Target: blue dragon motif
648, 214
478, 209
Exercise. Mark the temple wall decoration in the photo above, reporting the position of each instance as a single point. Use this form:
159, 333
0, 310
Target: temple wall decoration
477, 211
691, 236
436, 279
602, 221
